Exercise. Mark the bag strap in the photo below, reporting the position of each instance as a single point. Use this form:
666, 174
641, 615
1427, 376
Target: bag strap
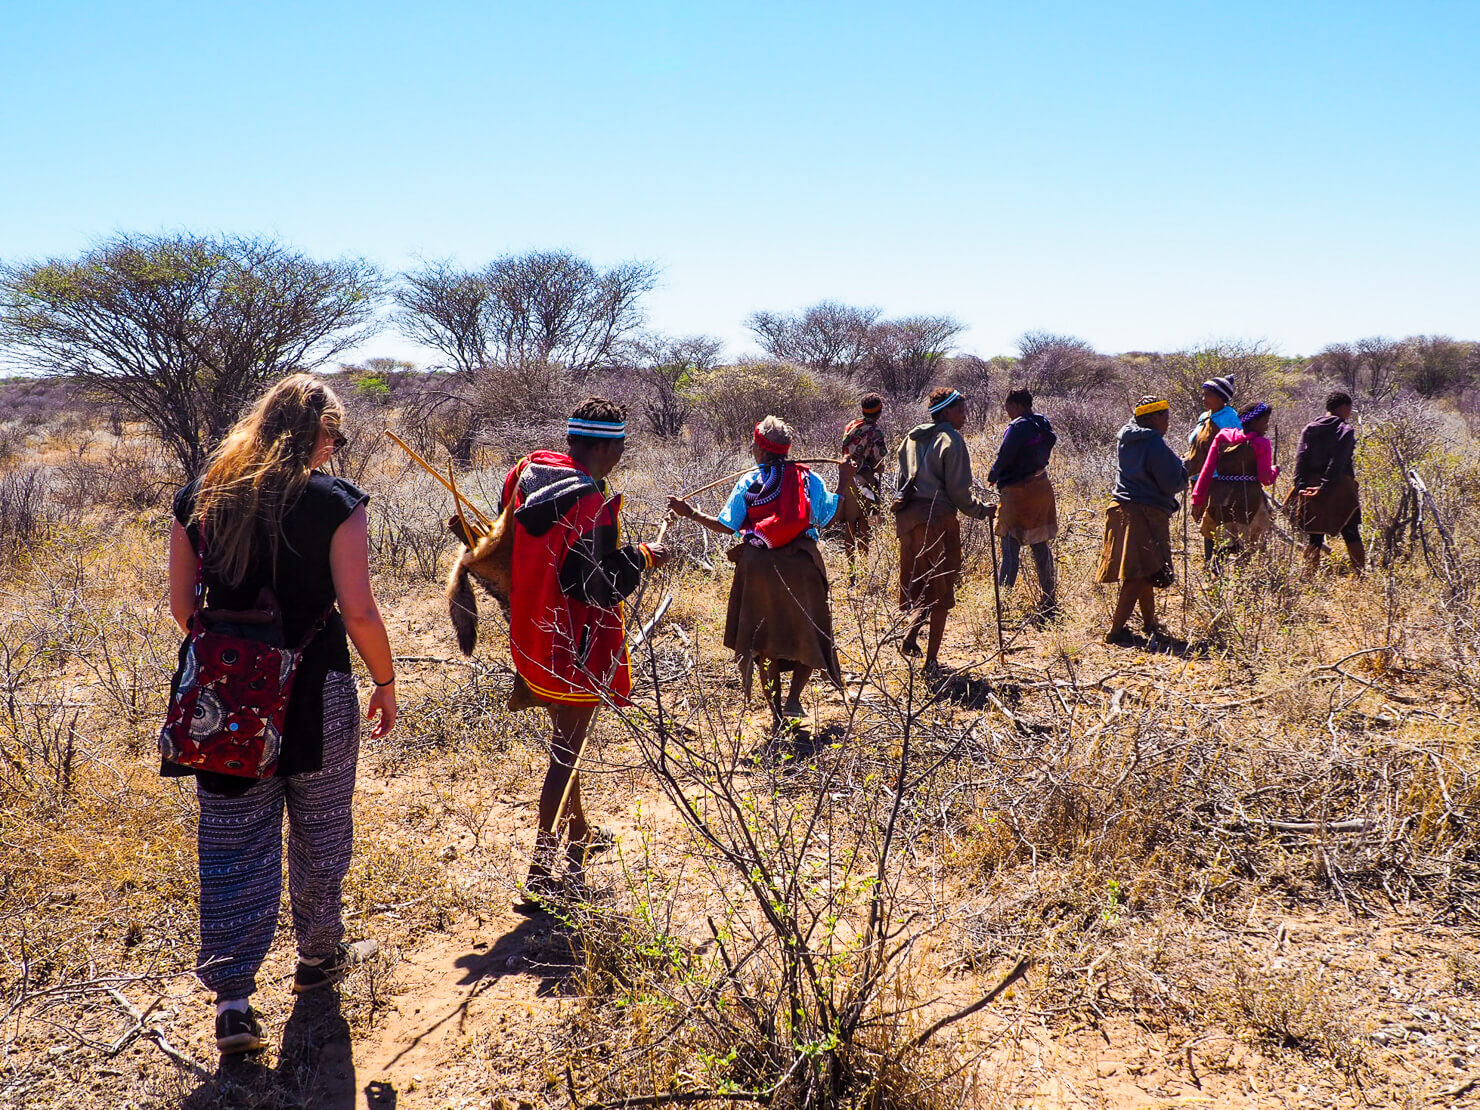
200, 592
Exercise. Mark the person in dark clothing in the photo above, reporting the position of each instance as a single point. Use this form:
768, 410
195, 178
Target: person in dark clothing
865, 448
274, 540
1327, 499
1137, 551
1028, 513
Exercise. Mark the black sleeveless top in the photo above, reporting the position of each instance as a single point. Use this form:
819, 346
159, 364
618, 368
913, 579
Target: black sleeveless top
305, 589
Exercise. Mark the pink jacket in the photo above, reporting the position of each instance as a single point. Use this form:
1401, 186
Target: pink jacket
1263, 458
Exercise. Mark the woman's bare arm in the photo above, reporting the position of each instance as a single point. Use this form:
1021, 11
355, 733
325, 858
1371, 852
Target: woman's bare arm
349, 563
182, 577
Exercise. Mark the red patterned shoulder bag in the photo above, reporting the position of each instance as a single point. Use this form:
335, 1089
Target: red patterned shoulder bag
230, 695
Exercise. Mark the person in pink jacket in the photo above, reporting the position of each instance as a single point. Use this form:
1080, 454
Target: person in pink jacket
1230, 486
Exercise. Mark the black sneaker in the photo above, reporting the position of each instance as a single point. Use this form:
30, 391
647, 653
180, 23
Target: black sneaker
239, 1031
1122, 637
346, 957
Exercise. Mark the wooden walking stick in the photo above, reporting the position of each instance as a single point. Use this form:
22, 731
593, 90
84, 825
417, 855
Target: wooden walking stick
575, 763
996, 586
1186, 582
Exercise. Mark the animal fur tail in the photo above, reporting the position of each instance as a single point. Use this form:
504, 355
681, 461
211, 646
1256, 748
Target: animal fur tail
462, 607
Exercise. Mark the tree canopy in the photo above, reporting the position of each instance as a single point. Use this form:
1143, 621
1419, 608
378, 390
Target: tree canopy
182, 331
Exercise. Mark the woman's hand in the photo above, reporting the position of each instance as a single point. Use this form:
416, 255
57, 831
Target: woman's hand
382, 705
679, 507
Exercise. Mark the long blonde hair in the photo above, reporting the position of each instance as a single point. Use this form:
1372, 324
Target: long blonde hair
260, 470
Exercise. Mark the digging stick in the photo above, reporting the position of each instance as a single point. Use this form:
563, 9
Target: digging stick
404, 446
575, 763
1186, 584
996, 586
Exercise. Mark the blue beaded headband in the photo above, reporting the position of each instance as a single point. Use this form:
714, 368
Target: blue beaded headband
946, 402
597, 429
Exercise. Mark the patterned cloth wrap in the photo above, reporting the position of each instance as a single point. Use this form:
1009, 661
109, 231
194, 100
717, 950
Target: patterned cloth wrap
865, 447
777, 508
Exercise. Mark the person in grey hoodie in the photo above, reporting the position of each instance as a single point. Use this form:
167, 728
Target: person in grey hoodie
934, 488
1137, 551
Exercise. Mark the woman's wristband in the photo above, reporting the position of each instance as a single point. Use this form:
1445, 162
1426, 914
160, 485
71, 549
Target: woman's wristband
388, 682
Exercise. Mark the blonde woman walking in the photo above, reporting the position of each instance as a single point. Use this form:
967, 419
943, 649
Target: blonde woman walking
281, 554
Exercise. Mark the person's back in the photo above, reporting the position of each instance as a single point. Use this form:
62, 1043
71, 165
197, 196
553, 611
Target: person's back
1148, 472
297, 574
283, 542
1327, 452
935, 465
1027, 446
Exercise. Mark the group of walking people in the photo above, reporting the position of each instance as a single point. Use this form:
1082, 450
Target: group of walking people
269, 563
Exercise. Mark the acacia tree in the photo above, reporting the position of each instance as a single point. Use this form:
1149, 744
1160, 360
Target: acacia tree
1060, 364
903, 355
532, 316
1384, 360
668, 364
1441, 365
827, 336
1340, 362
538, 307
181, 331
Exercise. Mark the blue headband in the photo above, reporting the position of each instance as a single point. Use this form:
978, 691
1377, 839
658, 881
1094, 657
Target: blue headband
946, 402
596, 429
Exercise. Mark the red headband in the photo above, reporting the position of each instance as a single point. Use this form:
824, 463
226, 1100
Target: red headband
767, 445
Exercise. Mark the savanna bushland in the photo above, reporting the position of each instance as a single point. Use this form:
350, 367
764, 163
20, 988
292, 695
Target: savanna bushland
1239, 873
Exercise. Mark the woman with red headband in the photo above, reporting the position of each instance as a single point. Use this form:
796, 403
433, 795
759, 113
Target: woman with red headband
779, 613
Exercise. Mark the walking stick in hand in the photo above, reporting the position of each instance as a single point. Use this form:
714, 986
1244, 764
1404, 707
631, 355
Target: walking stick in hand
996, 585
1186, 584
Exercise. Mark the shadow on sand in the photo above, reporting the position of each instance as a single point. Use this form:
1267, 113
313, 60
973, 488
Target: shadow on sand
315, 1068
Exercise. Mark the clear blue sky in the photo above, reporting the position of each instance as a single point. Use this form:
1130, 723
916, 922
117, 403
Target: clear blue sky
1144, 175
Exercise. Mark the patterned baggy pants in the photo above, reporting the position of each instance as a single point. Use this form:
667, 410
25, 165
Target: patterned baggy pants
241, 856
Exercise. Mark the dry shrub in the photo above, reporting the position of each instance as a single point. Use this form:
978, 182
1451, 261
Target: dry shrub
24, 517
408, 529
731, 400
1291, 1010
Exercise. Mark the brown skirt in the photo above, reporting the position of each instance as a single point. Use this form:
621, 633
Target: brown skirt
1138, 544
1029, 511
1327, 510
929, 556
1246, 519
1233, 502
779, 610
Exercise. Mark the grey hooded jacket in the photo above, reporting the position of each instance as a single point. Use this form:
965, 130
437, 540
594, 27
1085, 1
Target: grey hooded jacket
1150, 473
936, 457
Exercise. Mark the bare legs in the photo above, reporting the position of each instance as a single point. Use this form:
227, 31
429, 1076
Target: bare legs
1133, 592
936, 617
569, 724
771, 672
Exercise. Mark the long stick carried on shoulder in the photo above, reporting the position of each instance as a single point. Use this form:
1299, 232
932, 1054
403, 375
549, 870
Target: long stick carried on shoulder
741, 473
430, 469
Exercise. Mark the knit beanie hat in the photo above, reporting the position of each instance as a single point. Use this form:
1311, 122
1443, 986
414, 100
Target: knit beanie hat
1223, 387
